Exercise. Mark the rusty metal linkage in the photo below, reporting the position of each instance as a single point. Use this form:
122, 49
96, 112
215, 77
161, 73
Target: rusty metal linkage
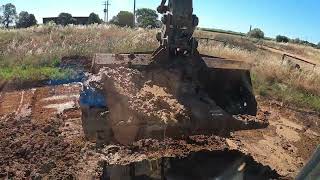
210, 39
299, 59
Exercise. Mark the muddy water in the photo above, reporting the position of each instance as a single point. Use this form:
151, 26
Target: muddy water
201, 165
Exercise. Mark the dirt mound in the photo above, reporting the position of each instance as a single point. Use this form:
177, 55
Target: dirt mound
23, 142
76, 62
16, 85
145, 97
37, 141
134, 103
159, 103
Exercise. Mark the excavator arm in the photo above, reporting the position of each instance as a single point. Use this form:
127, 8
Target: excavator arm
179, 23
162, 8
210, 89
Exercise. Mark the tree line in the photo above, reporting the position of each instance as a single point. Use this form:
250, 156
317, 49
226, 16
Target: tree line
66, 18
9, 17
259, 34
145, 18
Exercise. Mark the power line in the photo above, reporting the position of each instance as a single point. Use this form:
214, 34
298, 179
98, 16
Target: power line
106, 11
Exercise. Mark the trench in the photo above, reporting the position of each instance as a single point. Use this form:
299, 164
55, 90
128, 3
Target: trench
201, 165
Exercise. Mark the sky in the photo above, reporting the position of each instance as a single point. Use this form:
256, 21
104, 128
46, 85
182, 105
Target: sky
293, 18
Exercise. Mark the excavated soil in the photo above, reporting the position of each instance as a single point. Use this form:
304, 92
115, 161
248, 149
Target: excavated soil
161, 103
42, 137
134, 104
35, 139
287, 143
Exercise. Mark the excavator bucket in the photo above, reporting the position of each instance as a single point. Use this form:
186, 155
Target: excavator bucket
174, 91
154, 97
227, 82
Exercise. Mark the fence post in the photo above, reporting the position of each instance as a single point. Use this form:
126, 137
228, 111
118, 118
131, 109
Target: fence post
283, 57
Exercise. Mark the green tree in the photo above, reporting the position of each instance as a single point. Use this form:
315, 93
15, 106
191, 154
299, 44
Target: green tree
124, 18
284, 39
94, 19
65, 19
256, 33
26, 20
147, 18
9, 14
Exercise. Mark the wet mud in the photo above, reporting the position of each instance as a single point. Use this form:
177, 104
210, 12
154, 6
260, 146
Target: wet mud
52, 144
43, 136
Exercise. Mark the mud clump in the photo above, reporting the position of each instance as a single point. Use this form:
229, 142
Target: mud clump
142, 96
30, 150
159, 102
137, 107
182, 97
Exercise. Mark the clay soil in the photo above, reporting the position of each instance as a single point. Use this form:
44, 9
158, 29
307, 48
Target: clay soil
41, 137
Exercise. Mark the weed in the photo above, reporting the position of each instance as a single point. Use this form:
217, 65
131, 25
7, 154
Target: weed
33, 73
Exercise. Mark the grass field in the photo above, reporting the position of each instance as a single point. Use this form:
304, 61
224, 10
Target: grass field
34, 53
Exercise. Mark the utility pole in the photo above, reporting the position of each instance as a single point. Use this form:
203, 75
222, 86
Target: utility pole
106, 11
134, 13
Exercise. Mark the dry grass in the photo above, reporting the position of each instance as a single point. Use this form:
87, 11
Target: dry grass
273, 79
307, 52
228, 52
41, 46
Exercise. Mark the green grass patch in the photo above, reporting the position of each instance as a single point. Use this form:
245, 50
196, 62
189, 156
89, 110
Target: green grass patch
33, 73
286, 93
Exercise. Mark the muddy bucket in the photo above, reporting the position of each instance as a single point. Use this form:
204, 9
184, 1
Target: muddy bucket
94, 116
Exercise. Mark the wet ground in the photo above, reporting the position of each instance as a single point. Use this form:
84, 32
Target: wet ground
287, 143
36, 138
41, 136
